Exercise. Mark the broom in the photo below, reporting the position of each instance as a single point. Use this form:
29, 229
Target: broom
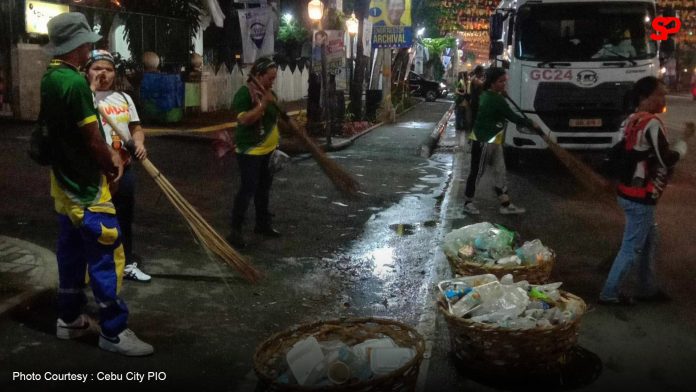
214, 245
580, 170
341, 179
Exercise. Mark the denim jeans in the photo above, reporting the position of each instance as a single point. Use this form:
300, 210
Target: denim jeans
637, 248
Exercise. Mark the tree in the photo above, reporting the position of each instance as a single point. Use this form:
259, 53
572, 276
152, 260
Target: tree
167, 30
435, 47
361, 8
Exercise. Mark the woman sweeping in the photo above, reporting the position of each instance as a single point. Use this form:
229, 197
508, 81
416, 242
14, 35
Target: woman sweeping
256, 138
486, 148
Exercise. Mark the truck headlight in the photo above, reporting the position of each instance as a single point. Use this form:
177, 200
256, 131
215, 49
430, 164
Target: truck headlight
442, 85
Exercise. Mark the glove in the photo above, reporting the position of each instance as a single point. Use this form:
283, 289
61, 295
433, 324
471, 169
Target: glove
680, 147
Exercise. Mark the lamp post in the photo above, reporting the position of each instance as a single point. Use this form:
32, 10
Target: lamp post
315, 9
352, 28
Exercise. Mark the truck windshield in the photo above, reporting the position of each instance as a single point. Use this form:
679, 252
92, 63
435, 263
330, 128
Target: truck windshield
584, 32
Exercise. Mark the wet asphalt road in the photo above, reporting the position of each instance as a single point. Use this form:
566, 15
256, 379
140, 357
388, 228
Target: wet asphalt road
376, 255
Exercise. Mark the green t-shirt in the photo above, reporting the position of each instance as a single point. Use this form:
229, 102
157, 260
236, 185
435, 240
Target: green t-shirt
67, 103
493, 113
255, 139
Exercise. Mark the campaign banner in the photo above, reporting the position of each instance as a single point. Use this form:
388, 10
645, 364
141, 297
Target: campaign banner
391, 23
257, 26
335, 51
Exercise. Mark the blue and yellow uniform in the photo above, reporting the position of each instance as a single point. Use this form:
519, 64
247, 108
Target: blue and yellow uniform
90, 237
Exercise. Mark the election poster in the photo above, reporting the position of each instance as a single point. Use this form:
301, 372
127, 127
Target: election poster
391, 23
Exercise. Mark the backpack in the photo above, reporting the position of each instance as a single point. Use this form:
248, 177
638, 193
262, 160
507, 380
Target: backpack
41, 143
621, 155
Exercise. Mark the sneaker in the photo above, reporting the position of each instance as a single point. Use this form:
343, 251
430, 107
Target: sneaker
125, 343
470, 208
132, 272
82, 325
512, 209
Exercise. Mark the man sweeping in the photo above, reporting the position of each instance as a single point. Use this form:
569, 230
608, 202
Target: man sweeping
82, 168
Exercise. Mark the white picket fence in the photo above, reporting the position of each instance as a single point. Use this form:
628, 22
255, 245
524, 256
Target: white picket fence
217, 89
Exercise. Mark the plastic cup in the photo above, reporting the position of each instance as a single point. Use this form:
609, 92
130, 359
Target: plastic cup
338, 372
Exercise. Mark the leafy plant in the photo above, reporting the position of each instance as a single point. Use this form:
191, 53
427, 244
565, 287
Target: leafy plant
292, 32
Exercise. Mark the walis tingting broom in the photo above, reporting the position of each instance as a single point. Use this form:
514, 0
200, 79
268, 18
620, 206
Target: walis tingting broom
341, 179
215, 246
580, 170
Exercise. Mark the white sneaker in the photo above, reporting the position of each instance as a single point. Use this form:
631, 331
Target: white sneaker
512, 209
82, 325
125, 343
132, 272
470, 208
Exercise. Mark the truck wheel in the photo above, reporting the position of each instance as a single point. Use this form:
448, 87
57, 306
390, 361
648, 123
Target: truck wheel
431, 95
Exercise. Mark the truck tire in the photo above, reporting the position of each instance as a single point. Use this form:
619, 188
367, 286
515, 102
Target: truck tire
430, 95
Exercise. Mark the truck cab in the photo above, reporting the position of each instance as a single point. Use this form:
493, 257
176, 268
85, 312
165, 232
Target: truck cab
570, 64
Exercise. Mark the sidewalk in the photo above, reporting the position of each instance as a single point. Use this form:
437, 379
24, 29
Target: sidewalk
25, 270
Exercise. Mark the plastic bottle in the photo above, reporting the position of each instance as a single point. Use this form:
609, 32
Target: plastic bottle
358, 367
465, 305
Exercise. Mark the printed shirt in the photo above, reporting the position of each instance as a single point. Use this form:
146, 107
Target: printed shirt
76, 180
121, 109
260, 138
649, 159
491, 118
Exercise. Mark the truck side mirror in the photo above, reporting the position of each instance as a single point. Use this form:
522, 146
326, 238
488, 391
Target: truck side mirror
496, 49
496, 26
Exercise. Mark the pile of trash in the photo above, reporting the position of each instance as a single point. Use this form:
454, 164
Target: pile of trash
507, 304
324, 363
491, 245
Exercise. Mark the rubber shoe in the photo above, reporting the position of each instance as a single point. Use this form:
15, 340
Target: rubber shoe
82, 325
126, 343
132, 272
622, 300
512, 209
470, 208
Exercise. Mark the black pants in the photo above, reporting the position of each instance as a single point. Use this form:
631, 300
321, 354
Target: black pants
256, 179
470, 190
124, 201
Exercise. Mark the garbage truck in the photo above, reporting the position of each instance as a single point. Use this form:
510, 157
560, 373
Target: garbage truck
570, 64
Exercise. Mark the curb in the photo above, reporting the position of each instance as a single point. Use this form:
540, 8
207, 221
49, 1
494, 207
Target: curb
429, 144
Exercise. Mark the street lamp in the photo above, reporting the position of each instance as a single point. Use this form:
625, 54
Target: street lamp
315, 9
352, 28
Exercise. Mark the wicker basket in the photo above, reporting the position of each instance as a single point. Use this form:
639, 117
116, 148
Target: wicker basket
495, 350
534, 274
269, 359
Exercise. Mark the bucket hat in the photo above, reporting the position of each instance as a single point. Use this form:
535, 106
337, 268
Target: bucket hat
67, 31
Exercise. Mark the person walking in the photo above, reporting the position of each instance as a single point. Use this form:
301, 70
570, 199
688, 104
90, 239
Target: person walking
120, 108
648, 159
82, 168
487, 136
256, 139
461, 102
476, 80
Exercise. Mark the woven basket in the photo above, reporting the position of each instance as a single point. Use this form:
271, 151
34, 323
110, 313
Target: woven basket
495, 350
534, 274
269, 359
